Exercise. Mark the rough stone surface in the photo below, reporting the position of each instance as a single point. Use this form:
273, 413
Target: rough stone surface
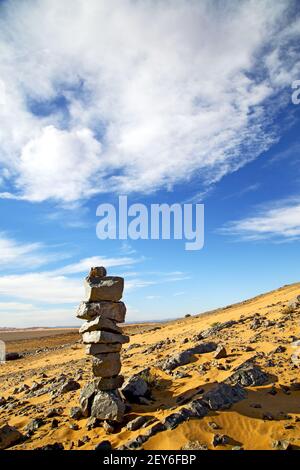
106, 365
100, 323
105, 288
86, 398
219, 327
185, 357
223, 396
104, 337
113, 310
295, 302
97, 272
248, 376
134, 388
137, 423
102, 348
9, 436
108, 405
220, 352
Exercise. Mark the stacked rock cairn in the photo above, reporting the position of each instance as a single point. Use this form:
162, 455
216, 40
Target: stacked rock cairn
103, 339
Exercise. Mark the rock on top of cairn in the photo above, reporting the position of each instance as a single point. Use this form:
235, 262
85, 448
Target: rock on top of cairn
99, 287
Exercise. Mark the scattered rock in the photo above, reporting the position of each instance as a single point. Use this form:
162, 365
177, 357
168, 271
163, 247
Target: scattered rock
220, 352
134, 388
56, 446
281, 445
9, 436
104, 445
248, 376
76, 412
223, 396
220, 440
137, 423
34, 425
69, 386
13, 356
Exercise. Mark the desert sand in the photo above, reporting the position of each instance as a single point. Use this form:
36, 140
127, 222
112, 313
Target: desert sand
270, 413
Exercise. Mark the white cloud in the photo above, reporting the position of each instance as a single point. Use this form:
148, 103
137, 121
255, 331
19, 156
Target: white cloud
42, 287
15, 255
281, 222
85, 264
153, 92
16, 306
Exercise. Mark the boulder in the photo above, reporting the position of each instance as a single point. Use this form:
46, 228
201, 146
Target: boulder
220, 352
223, 396
108, 406
185, 357
106, 288
295, 302
218, 327
13, 356
86, 398
104, 337
76, 412
248, 376
113, 310
100, 348
9, 436
100, 323
91, 388
69, 386
34, 425
106, 365
134, 388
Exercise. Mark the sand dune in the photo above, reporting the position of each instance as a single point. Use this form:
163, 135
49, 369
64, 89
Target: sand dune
270, 413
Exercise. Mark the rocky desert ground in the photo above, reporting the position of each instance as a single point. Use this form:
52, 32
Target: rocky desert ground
226, 379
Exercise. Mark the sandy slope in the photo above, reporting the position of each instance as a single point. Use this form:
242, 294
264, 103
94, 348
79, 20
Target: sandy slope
245, 425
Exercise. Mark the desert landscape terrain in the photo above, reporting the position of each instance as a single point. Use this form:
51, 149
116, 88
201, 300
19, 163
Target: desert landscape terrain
236, 368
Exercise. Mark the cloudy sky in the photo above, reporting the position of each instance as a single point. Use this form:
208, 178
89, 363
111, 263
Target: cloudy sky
163, 101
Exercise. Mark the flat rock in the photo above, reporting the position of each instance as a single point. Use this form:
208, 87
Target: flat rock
248, 376
100, 323
108, 406
9, 436
223, 396
100, 348
105, 288
185, 357
106, 365
137, 423
113, 310
95, 337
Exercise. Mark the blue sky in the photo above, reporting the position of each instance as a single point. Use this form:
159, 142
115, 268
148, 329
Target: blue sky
165, 102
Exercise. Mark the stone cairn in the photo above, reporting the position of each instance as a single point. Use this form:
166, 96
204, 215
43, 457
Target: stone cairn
100, 398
